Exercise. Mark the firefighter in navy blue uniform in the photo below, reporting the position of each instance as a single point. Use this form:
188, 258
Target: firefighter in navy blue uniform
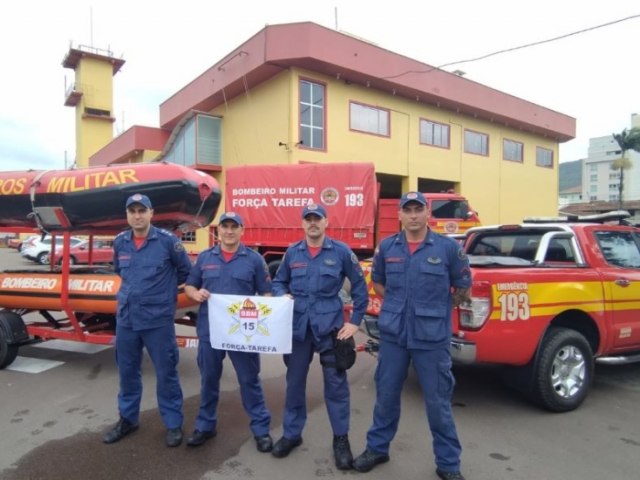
151, 263
228, 268
312, 272
421, 275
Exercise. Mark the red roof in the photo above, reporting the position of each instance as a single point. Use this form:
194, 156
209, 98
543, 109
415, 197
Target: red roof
319, 49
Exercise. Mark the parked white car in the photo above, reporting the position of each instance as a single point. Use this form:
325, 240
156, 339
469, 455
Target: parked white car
40, 249
25, 242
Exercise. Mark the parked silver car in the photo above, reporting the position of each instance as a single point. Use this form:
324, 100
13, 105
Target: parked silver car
40, 249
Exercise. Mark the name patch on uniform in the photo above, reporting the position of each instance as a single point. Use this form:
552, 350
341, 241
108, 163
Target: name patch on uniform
210, 266
394, 260
298, 265
434, 260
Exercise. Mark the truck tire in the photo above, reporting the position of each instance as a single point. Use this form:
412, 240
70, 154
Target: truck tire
564, 370
8, 352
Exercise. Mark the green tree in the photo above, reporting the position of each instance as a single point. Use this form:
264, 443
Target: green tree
627, 140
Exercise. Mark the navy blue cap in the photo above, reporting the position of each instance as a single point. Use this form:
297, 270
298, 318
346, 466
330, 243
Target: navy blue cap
139, 198
233, 216
315, 209
412, 197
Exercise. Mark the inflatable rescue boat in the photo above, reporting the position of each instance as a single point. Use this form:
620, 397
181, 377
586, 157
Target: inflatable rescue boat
93, 199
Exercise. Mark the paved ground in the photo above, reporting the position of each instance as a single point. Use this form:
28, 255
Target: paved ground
51, 421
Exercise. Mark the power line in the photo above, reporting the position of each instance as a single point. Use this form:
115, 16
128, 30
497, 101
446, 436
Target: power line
519, 47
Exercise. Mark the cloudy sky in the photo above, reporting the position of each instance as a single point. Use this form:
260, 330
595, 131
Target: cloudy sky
591, 76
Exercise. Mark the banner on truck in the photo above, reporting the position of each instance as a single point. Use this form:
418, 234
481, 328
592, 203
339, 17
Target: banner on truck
274, 195
251, 323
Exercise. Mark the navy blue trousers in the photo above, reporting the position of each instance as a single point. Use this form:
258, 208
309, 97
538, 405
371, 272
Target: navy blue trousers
247, 367
336, 387
162, 348
433, 368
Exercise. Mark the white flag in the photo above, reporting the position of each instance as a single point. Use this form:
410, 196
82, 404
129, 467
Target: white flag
250, 323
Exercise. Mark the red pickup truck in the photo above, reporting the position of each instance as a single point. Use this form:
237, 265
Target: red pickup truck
550, 298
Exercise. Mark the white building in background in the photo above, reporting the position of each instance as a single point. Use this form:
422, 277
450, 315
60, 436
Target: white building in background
599, 181
569, 196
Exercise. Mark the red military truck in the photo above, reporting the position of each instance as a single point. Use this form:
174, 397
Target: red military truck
270, 198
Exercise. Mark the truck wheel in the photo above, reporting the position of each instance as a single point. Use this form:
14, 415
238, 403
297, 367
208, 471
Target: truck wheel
8, 353
564, 370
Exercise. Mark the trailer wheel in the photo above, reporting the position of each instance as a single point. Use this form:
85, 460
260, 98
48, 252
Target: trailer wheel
8, 352
564, 370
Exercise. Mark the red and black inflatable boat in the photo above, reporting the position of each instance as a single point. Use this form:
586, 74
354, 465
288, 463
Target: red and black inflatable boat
93, 199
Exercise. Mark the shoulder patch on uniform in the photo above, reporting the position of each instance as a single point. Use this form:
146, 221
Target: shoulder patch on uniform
354, 259
178, 247
462, 254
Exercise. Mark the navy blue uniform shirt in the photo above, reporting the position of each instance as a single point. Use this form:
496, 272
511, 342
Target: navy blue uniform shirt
150, 277
246, 273
315, 284
416, 309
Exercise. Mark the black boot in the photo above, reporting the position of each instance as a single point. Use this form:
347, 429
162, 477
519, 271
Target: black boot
342, 452
119, 431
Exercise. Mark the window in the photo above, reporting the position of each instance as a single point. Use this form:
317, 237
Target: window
593, 167
312, 114
188, 237
594, 178
544, 157
197, 142
511, 150
619, 248
593, 188
432, 133
97, 112
368, 119
613, 186
593, 198
475, 142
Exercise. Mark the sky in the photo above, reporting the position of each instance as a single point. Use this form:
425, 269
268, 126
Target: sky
591, 76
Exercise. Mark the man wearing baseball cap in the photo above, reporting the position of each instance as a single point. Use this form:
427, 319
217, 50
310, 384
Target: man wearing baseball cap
312, 272
228, 268
151, 263
415, 271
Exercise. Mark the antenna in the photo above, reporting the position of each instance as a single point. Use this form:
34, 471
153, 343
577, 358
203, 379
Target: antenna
335, 15
91, 26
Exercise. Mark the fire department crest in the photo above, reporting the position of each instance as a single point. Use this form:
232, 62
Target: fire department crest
249, 319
